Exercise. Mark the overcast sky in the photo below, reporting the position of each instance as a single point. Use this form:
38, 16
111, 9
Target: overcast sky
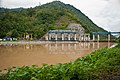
105, 13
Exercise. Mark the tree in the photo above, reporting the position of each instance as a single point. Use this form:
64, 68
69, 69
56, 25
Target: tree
15, 33
9, 33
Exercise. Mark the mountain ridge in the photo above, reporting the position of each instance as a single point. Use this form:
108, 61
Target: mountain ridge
40, 19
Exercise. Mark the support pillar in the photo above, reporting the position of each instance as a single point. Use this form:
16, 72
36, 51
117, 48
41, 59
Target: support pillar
79, 37
75, 37
98, 37
84, 37
93, 37
46, 37
69, 37
49, 36
88, 37
56, 37
108, 37
62, 37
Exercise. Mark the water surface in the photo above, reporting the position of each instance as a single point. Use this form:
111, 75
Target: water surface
52, 53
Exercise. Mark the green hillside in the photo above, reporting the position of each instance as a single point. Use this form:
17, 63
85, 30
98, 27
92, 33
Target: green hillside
39, 20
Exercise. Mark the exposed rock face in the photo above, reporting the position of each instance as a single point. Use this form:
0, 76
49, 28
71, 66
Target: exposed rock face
77, 27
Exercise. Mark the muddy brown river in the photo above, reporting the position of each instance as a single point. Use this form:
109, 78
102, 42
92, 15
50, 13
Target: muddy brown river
52, 53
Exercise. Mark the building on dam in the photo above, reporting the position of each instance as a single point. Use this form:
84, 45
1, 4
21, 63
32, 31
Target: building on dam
75, 33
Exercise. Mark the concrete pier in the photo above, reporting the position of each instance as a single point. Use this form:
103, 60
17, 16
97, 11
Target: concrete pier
62, 37
98, 37
69, 35
75, 37
93, 37
104, 33
56, 37
108, 37
49, 35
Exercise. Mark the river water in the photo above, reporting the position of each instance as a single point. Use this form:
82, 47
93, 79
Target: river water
52, 53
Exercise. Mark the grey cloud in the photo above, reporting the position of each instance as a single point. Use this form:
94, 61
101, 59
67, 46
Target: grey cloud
19, 3
0, 3
111, 14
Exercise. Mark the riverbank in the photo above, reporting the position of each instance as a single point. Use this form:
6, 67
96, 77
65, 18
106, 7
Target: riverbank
36, 42
102, 64
44, 42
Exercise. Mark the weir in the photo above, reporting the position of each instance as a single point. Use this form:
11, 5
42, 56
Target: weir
67, 35
78, 34
104, 33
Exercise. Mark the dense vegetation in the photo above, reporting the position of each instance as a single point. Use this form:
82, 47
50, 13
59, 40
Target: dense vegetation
39, 20
102, 64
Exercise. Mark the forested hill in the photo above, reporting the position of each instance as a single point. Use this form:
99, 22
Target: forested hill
39, 20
